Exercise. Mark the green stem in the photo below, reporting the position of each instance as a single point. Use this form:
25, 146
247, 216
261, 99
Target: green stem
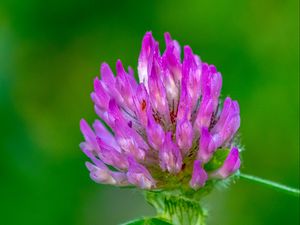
277, 186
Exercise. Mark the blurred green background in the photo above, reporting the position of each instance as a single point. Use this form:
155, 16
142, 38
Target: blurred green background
50, 51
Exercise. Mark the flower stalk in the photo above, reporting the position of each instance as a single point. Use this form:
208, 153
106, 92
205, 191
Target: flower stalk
279, 187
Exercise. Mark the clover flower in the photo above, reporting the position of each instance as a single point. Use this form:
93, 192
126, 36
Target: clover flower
167, 131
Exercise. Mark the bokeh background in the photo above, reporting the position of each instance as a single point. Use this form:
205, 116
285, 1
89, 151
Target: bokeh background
50, 51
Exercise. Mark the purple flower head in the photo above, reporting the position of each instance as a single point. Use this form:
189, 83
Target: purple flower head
167, 130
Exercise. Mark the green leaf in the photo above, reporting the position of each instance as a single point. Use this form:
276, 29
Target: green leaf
217, 160
147, 221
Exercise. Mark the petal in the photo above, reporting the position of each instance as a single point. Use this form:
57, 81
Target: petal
157, 92
199, 176
138, 175
100, 175
142, 104
172, 90
170, 42
206, 146
148, 44
185, 106
89, 136
111, 156
191, 72
100, 97
105, 176
115, 114
204, 114
230, 165
155, 133
126, 86
184, 134
130, 141
102, 132
228, 123
171, 59
107, 75
170, 156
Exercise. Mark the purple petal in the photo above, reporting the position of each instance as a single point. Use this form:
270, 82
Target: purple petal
130, 141
148, 44
89, 136
224, 114
155, 133
107, 75
111, 156
142, 104
157, 92
100, 175
185, 103
105, 176
230, 165
211, 83
172, 90
228, 123
115, 114
126, 86
192, 74
170, 42
100, 97
171, 59
184, 134
205, 112
199, 176
170, 155
206, 146
102, 132
138, 175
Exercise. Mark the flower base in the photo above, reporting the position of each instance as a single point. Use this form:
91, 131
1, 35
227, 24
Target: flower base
176, 208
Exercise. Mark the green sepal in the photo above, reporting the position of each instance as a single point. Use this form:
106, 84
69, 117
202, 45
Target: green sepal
147, 221
217, 160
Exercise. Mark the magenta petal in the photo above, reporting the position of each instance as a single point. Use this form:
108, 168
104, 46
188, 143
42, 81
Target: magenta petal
115, 114
171, 58
170, 155
228, 123
172, 43
100, 97
207, 146
191, 72
145, 54
185, 106
138, 175
107, 137
105, 176
184, 134
230, 165
130, 141
100, 175
107, 75
224, 114
111, 156
157, 92
125, 85
155, 133
89, 136
204, 115
172, 90
199, 176
142, 104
